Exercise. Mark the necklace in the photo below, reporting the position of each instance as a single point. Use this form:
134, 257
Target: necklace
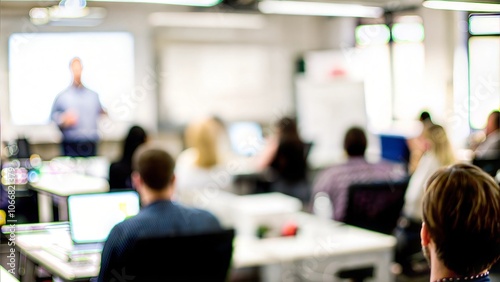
467, 278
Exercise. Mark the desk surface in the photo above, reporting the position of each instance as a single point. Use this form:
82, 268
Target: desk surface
93, 166
5, 276
66, 184
317, 238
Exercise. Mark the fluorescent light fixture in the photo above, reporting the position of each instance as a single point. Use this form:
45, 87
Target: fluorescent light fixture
60, 16
208, 20
199, 3
484, 24
462, 6
318, 9
372, 34
73, 4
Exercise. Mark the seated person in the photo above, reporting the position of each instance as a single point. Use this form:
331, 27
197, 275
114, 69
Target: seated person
438, 154
154, 180
335, 181
285, 158
489, 149
120, 171
201, 165
418, 145
461, 224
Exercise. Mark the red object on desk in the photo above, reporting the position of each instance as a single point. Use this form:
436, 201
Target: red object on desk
289, 229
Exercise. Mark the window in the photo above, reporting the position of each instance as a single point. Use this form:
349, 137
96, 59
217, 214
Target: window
484, 68
392, 67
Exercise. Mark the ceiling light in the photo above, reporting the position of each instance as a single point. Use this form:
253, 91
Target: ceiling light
462, 6
200, 3
73, 4
60, 16
318, 9
208, 20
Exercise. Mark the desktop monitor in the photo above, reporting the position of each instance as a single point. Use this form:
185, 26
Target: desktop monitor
246, 137
395, 148
92, 216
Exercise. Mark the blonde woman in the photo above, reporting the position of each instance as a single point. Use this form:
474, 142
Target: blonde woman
438, 154
201, 165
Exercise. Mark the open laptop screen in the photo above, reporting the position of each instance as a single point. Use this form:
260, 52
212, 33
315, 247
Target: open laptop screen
92, 216
246, 137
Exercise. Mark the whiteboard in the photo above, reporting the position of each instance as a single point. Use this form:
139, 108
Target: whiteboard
236, 82
325, 111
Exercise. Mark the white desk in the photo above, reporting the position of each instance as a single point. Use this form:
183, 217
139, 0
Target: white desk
321, 248
63, 185
5, 276
91, 166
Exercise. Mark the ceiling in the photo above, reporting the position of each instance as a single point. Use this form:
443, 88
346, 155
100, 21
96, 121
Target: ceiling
379, 3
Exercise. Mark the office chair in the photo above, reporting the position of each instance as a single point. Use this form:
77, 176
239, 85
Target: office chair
200, 257
21, 149
376, 206
490, 166
373, 206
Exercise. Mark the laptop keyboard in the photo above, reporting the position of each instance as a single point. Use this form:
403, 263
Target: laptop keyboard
88, 248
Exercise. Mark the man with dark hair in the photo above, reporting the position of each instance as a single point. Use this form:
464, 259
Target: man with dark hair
355, 142
425, 116
153, 177
336, 180
490, 147
461, 224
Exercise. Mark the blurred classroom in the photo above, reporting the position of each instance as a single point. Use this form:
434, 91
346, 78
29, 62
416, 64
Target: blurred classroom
245, 84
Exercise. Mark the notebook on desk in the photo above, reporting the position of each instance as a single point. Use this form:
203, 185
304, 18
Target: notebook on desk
92, 216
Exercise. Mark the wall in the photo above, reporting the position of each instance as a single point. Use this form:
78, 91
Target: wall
281, 42
15, 19
285, 39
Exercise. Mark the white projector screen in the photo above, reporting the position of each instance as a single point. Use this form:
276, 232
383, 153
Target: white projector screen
39, 70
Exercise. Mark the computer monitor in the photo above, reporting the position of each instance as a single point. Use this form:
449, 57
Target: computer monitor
92, 216
246, 137
395, 148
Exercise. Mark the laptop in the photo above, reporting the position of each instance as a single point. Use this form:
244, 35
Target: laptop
246, 137
92, 216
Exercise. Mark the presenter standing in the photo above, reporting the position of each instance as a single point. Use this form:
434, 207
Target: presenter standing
76, 111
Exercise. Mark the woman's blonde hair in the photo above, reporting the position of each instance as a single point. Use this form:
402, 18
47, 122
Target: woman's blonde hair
203, 136
441, 146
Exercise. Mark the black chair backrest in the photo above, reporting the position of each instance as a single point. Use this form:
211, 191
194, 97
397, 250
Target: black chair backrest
376, 206
21, 149
201, 257
490, 166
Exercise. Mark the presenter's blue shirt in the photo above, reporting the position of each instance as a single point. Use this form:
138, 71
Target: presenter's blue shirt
86, 105
161, 218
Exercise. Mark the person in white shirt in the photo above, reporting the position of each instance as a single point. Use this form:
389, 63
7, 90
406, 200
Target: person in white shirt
201, 165
439, 153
